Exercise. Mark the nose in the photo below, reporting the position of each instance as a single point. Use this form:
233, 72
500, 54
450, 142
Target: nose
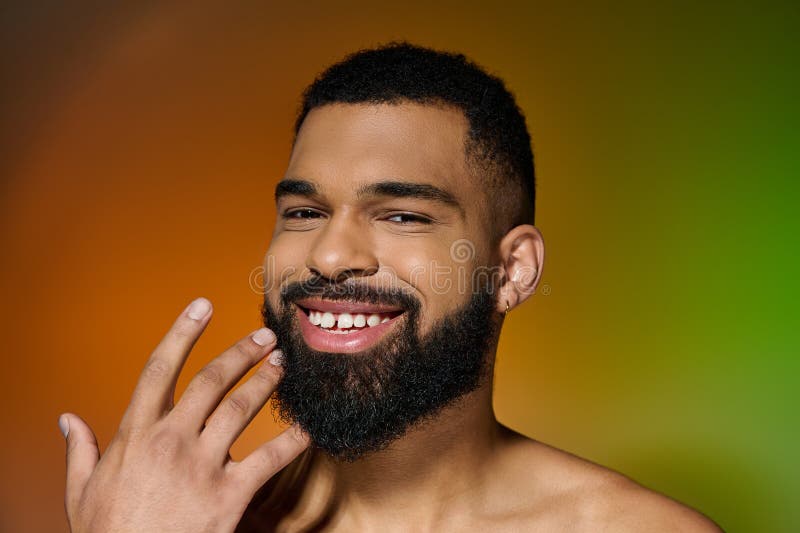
342, 250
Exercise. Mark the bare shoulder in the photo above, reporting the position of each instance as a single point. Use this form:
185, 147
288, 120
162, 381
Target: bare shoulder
565, 492
619, 504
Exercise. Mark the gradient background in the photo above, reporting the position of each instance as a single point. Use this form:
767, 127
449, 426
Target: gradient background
141, 144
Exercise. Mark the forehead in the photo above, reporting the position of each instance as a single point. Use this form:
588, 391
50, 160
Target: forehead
349, 144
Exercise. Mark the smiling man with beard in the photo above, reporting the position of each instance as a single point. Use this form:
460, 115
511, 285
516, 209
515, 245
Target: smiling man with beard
404, 236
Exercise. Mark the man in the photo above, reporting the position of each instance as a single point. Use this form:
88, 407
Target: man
404, 235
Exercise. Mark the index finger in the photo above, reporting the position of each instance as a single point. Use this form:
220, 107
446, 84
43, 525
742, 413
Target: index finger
155, 390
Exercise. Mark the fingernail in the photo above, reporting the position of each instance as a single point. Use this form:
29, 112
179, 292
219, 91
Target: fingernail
199, 309
276, 358
263, 337
63, 425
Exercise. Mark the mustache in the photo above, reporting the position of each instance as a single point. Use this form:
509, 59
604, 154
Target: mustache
349, 291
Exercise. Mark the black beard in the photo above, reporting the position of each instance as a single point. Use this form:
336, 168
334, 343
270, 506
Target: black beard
354, 404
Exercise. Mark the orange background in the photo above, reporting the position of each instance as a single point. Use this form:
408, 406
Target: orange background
141, 144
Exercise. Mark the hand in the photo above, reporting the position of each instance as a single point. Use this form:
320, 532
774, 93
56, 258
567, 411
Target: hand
168, 467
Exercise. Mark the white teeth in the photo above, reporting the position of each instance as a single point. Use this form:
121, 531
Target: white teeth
327, 320
345, 321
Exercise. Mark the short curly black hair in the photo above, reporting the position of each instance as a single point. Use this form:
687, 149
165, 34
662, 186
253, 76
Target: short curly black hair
498, 145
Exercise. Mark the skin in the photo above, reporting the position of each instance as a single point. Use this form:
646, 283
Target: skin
168, 467
460, 470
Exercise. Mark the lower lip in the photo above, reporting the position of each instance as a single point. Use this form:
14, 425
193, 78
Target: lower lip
321, 340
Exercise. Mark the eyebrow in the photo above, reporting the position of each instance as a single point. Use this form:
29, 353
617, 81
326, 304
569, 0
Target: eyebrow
391, 188
295, 187
404, 189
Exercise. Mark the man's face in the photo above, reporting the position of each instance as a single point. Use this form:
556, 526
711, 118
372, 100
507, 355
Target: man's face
370, 276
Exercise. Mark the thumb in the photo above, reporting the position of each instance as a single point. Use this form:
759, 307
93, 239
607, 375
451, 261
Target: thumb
82, 456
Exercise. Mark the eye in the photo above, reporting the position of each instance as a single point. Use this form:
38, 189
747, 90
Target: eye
408, 218
301, 214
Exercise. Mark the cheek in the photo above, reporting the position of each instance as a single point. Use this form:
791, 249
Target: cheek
282, 263
429, 269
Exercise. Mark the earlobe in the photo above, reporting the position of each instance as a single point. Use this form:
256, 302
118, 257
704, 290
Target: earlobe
522, 259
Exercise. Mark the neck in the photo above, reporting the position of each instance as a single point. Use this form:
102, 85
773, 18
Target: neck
438, 464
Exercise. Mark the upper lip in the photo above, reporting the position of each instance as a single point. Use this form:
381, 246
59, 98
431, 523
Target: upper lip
330, 306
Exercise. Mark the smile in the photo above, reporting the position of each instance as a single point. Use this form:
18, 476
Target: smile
344, 326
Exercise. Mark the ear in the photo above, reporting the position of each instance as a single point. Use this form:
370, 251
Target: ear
522, 260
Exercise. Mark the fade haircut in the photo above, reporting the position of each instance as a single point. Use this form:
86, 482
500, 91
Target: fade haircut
498, 146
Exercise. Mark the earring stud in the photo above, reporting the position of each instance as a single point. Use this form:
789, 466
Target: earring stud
506, 313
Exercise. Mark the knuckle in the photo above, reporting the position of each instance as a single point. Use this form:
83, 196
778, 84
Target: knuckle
156, 368
128, 433
238, 403
244, 350
165, 444
298, 435
265, 376
211, 375
124, 435
184, 328
271, 459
